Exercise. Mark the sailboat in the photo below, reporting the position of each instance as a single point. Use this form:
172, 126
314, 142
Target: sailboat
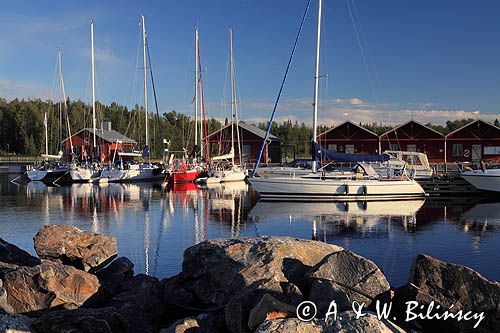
145, 171
364, 186
51, 169
181, 171
85, 172
235, 172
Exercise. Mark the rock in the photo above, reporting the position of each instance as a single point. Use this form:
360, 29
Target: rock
449, 284
204, 323
357, 277
115, 273
267, 306
111, 277
80, 320
179, 302
139, 303
71, 246
323, 292
4, 305
15, 323
367, 323
217, 269
289, 325
237, 273
48, 285
11, 256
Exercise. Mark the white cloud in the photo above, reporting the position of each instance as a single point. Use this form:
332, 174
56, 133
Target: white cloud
338, 110
10, 90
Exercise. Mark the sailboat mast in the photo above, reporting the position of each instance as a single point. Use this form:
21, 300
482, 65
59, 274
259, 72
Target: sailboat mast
145, 78
316, 78
63, 91
196, 85
46, 134
233, 98
93, 85
60, 102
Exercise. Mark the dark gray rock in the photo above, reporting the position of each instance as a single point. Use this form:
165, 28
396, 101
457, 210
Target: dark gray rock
368, 323
269, 306
449, 284
102, 320
139, 302
48, 285
289, 325
12, 256
15, 323
69, 245
357, 277
323, 292
217, 269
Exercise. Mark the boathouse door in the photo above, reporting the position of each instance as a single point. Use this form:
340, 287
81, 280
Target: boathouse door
476, 153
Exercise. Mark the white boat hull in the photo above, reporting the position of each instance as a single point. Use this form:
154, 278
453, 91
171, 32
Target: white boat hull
81, 174
46, 175
486, 181
307, 189
233, 176
132, 175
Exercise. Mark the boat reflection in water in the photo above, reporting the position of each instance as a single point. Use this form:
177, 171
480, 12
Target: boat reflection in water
338, 217
154, 225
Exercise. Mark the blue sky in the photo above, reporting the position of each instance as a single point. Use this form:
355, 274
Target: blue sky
434, 60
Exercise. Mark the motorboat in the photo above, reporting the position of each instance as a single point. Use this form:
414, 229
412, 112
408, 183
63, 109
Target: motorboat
483, 179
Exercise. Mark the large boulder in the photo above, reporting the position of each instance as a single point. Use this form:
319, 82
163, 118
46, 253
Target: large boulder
11, 256
71, 246
358, 278
447, 285
82, 320
48, 285
15, 323
237, 273
217, 269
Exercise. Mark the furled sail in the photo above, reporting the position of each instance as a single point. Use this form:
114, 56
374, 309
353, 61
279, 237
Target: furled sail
321, 153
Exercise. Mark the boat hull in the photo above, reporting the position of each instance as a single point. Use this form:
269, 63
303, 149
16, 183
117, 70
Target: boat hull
188, 176
82, 174
132, 175
486, 181
233, 176
303, 189
46, 176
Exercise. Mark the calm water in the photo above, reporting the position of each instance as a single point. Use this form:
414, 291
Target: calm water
153, 226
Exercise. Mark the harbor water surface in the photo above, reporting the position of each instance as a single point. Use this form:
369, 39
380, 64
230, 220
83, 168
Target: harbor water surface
154, 225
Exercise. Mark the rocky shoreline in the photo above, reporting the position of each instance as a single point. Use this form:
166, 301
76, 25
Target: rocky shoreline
77, 284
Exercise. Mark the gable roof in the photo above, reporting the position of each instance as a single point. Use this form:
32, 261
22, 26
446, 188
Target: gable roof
110, 136
478, 121
408, 122
252, 129
350, 123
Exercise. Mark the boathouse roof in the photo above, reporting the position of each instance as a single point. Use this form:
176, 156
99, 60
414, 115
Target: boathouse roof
413, 129
252, 129
343, 129
477, 129
106, 135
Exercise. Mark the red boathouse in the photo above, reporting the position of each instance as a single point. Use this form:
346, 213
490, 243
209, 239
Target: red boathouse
107, 139
349, 138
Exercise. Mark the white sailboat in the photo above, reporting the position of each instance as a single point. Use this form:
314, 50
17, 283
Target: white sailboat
85, 172
235, 172
51, 169
319, 187
145, 171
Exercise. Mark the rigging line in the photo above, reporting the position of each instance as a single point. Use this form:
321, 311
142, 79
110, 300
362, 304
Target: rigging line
363, 55
363, 37
154, 95
281, 89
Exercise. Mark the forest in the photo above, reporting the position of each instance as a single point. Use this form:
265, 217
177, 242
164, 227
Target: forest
22, 126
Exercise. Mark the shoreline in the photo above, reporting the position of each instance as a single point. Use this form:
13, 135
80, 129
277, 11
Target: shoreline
252, 284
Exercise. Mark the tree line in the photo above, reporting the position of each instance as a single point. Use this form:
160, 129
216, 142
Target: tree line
22, 126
